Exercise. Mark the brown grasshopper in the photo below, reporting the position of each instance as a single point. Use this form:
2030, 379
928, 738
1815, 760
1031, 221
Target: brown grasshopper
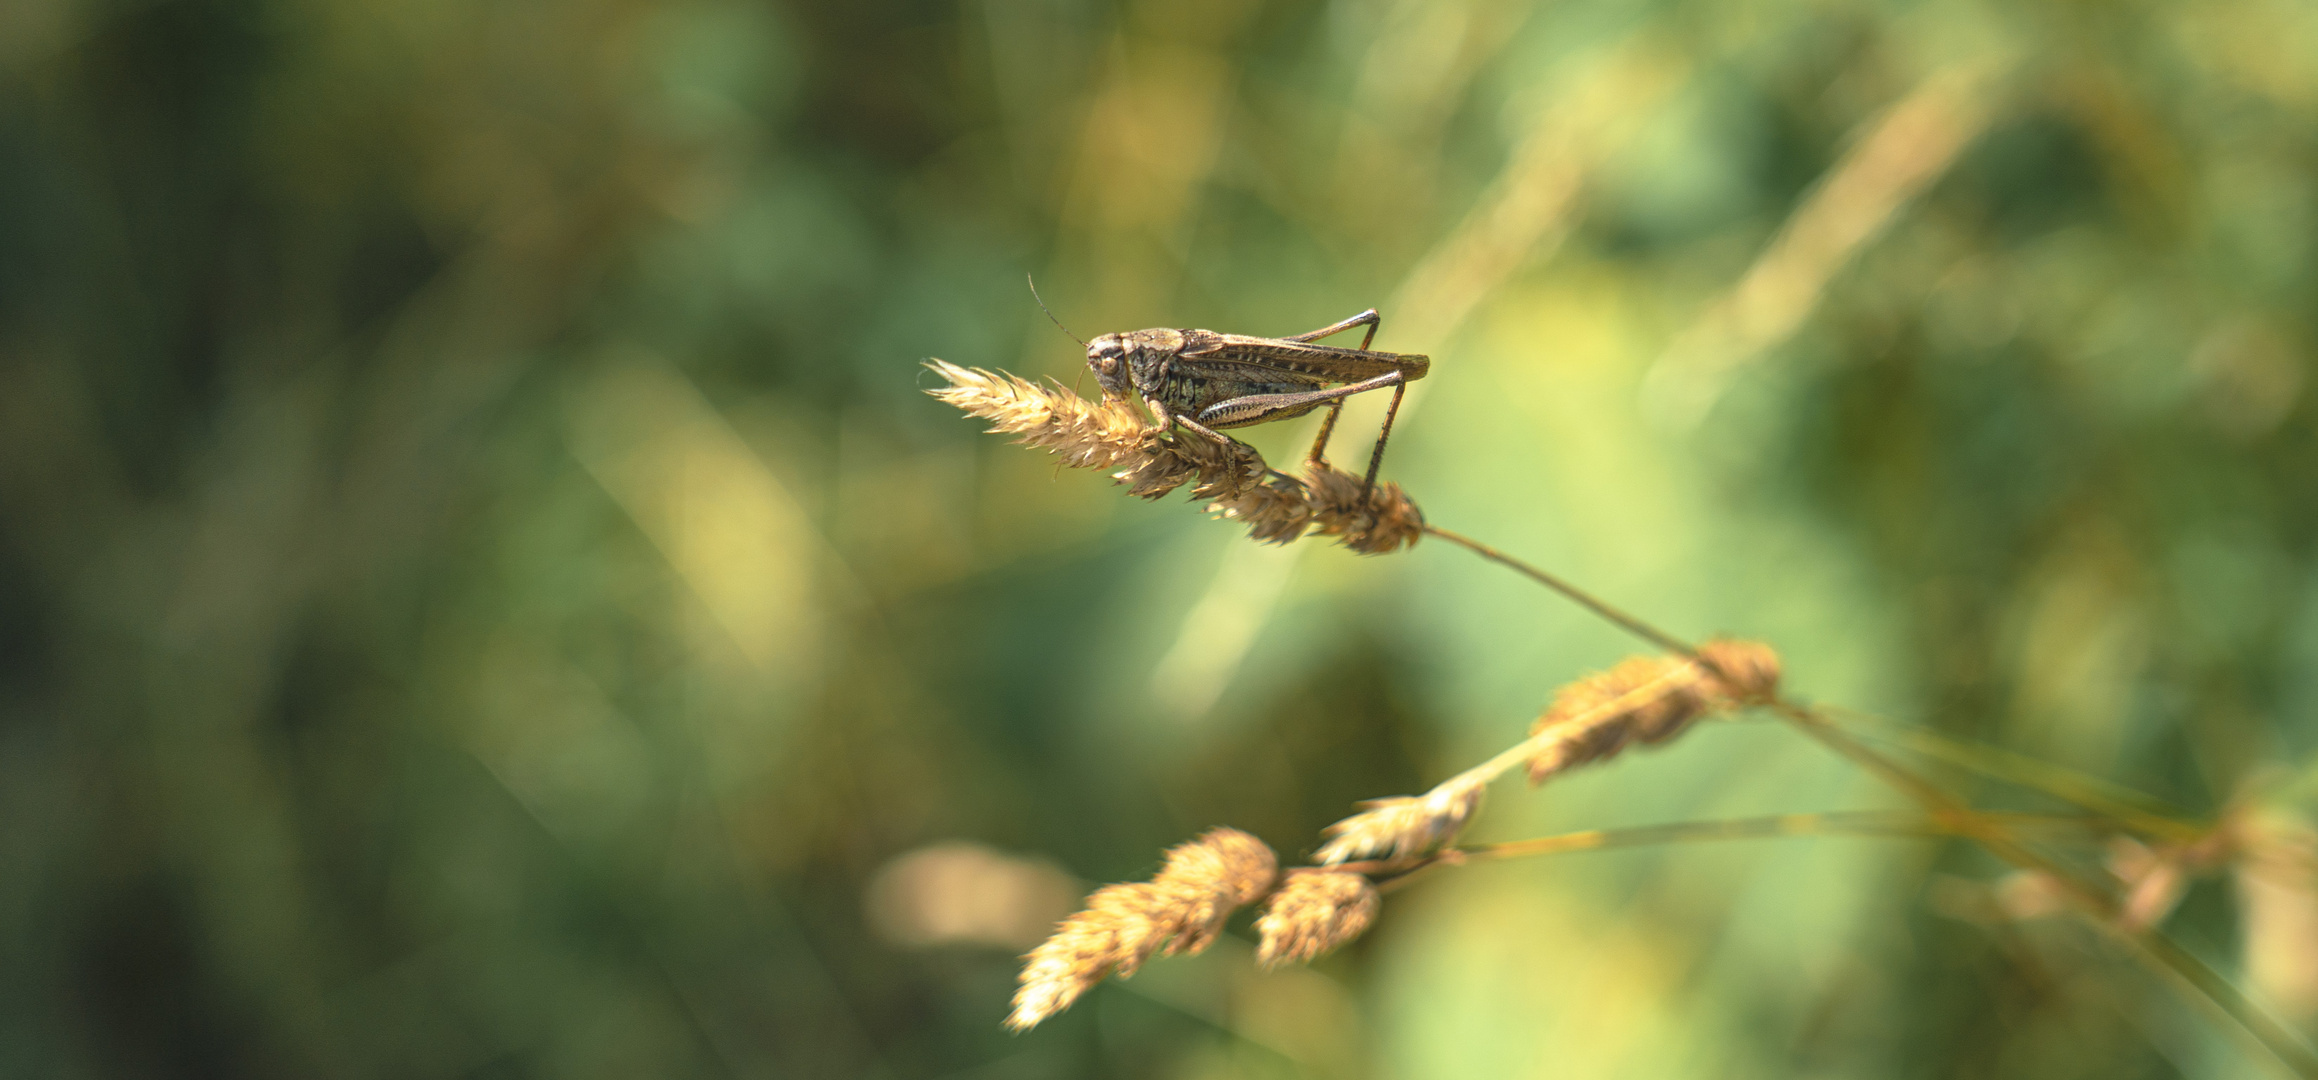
1203, 381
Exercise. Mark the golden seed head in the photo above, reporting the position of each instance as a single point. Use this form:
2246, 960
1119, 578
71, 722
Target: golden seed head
1181, 909
1215, 470
1116, 932
1312, 914
1651, 698
1750, 669
1384, 522
1225, 861
1404, 825
1648, 699
1087, 434
1210, 878
1276, 511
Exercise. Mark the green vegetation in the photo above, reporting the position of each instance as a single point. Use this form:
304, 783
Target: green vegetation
483, 592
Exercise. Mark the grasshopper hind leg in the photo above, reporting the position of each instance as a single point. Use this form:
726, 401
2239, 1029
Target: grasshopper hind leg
1372, 321
1319, 454
1257, 408
1376, 456
1369, 319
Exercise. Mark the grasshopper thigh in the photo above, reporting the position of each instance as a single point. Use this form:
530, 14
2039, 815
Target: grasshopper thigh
1258, 408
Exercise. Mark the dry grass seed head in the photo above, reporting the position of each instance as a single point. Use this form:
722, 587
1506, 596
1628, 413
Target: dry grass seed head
1404, 825
1213, 876
1644, 697
1327, 500
1116, 933
1086, 434
1386, 521
1276, 511
1750, 670
1181, 910
1215, 470
1648, 699
1313, 913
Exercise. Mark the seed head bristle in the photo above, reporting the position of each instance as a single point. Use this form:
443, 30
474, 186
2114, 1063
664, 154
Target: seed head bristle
1313, 913
1181, 909
1406, 824
1647, 699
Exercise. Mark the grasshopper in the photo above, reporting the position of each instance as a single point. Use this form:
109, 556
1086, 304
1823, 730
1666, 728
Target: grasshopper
1204, 381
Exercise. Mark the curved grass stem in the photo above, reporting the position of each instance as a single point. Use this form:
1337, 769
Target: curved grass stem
1834, 823
1947, 815
2205, 985
1582, 598
2131, 810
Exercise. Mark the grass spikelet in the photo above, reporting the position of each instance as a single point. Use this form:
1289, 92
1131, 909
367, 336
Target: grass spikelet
1215, 470
1326, 500
1215, 875
1085, 434
1276, 511
1749, 670
1181, 910
1407, 824
1313, 913
1647, 699
1383, 522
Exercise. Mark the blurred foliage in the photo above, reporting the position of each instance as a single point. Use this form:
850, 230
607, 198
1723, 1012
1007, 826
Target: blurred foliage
483, 593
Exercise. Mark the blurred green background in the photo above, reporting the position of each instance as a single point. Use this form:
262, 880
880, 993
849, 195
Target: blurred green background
484, 594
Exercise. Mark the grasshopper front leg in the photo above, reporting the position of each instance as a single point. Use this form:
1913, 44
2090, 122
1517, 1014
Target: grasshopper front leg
1168, 420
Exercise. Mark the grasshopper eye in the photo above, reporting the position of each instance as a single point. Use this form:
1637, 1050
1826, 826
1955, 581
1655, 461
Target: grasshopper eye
1108, 360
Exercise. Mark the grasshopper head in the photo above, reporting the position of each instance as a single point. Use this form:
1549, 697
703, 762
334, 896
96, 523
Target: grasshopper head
1107, 357
1137, 358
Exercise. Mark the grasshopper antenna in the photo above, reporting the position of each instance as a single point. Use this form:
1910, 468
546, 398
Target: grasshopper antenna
1050, 313
1082, 375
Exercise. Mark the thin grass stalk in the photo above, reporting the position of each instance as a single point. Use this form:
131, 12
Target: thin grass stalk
1879, 823
2118, 804
2183, 970
1930, 795
1393, 874
2087, 792
2204, 985
1579, 596
1948, 813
